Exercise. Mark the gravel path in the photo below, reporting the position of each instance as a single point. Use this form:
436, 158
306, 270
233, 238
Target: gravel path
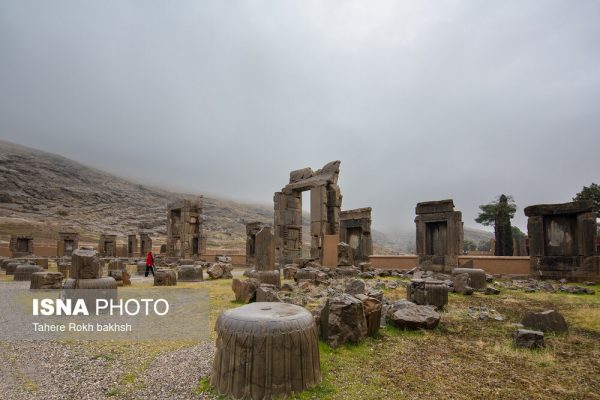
52, 370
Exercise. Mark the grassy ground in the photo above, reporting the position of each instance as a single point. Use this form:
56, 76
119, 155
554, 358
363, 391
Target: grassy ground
463, 358
470, 358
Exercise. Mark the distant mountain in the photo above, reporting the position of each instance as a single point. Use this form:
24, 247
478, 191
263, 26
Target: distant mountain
41, 193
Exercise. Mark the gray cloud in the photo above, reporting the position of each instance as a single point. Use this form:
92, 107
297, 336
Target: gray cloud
420, 102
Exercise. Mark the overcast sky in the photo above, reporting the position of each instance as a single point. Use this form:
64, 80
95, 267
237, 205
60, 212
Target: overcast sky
419, 100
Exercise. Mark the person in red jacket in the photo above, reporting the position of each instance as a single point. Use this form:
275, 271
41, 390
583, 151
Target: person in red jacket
149, 263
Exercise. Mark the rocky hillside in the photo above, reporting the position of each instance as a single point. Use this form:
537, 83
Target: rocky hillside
41, 193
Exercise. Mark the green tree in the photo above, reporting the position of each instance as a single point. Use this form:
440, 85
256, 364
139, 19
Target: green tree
591, 192
499, 213
517, 233
469, 245
484, 245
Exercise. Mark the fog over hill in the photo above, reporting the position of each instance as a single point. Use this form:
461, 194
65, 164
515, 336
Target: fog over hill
41, 193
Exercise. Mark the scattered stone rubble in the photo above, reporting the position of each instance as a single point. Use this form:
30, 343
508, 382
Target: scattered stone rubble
346, 308
528, 339
534, 285
545, 321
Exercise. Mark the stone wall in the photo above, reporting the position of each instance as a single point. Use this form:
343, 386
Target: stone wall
439, 234
325, 206
185, 234
562, 240
355, 230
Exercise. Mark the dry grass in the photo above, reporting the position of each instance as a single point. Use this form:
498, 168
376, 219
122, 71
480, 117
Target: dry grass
463, 358
467, 358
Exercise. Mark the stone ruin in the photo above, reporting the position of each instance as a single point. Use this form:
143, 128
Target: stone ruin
262, 271
144, 241
185, 236
86, 273
132, 245
21, 245
252, 228
562, 241
67, 243
439, 235
107, 245
264, 351
355, 230
326, 202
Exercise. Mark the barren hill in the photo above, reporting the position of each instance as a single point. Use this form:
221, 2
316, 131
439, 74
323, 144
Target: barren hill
41, 193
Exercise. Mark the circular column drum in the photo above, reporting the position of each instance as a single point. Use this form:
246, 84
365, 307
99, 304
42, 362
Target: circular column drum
266, 350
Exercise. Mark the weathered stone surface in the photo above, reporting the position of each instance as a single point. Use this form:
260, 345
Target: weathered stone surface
283, 357
265, 250
462, 283
23, 272
307, 273
346, 321
121, 276
42, 262
301, 262
165, 277
64, 267
11, 267
141, 267
355, 286
220, 270
185, 229
46, 280
289, 271
245, 290
345, 272
491, 290
345, 254
439, 235
190, 273
85, 265
372, 309
365, 267
477, 278
576, 290
545, 321
573, 207
267, 293
528, 339
407, 315
116, 264
427, 292
562, 241
104, 288
355, 229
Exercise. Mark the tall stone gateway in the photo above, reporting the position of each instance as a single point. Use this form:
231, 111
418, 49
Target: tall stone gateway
132, 245
185, 236
107, 246
355, 229
252, 228
145, 243
21, 245
67, 243
439, 235
562, 240
325, 200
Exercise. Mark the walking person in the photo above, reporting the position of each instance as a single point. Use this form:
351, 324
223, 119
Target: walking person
149, 263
